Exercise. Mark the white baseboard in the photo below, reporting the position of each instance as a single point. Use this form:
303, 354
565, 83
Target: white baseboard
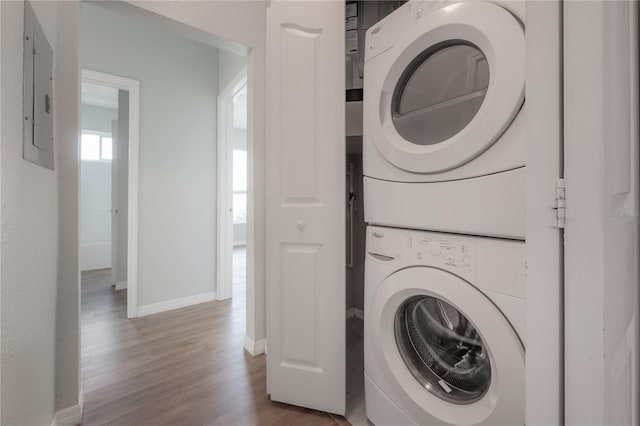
121, 285
355, 312
70, 416
169, 305
253, 347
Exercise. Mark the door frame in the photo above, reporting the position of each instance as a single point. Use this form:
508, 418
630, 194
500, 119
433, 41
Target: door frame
133, 87
544, 247
224, 227
601, 165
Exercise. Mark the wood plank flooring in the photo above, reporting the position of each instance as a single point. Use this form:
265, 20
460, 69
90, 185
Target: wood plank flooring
183, 367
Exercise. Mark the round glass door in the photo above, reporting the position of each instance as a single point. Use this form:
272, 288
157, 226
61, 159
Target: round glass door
440, 92
442, 349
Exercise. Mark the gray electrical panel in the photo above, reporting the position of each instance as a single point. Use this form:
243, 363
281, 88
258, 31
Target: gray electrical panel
37, 145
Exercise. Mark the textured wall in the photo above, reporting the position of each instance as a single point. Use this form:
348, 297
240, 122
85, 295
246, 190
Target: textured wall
38, 257
67, 129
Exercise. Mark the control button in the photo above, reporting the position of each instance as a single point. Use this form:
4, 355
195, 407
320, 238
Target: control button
435, 248
409, 241
419, 256
451, 260
466, 260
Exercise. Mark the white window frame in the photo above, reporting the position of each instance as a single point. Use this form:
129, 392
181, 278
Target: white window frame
245, 192
101, 135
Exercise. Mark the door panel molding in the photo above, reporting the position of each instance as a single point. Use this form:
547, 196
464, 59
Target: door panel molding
305, 204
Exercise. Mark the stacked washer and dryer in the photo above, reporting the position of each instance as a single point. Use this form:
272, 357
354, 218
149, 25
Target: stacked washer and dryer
443, 151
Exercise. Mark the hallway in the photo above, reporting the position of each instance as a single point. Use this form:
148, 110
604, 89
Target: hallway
182, 367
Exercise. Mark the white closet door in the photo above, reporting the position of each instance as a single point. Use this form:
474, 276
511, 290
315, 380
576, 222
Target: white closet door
601, 237
305, 204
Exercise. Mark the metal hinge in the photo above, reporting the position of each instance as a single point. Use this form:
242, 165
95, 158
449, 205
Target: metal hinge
560, 208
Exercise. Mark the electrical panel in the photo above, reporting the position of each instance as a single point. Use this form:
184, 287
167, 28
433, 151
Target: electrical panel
37, 93
360, 16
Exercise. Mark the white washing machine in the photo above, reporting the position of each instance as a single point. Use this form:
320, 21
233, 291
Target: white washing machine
444, 118
444, 329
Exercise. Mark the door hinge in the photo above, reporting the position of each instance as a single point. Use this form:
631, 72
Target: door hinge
560, 207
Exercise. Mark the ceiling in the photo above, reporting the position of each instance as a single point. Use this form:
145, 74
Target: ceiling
100, 96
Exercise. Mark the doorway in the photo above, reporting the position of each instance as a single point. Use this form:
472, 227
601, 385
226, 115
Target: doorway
178, 198
108, 176
232, 188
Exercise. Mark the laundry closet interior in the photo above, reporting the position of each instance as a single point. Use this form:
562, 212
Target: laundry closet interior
435, 198
360, 16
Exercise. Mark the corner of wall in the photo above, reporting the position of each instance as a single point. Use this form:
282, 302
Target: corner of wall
67, 101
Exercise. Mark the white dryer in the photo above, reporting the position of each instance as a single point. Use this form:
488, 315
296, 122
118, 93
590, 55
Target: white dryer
444, 329
444, 118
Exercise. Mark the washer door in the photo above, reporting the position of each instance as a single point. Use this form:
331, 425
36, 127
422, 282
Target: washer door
447, 350
442, 349
449, 88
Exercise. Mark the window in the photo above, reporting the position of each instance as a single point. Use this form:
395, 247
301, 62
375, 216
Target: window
440, 93
96, 146
239, 186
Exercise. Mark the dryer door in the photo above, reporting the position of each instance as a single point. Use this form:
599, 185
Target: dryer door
449, 88
446, 349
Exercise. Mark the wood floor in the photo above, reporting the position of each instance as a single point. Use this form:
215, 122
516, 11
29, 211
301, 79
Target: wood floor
184, 367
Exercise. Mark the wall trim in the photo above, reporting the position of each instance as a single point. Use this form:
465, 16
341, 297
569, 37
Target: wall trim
170, 305
121, 285
253, 347
70, 416
355, 312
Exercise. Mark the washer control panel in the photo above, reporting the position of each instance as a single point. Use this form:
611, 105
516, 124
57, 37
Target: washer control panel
435, 249
490, 264
410, 248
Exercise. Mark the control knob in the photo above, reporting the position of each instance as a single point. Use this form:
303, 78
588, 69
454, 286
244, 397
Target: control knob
434, 248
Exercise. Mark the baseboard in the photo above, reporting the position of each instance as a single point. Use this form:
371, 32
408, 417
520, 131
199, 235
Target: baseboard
121, 285
253, 347
355, 312
70, 416
169, 305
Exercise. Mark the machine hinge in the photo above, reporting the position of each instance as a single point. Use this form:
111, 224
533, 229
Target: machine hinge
560, 207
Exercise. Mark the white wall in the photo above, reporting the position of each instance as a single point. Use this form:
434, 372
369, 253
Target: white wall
95, 215
39, 221
98, 118
241, 22
95, 196
229, 65
178, 80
